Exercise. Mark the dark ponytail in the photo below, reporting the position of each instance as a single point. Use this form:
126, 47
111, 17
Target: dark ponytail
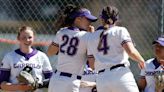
110, 15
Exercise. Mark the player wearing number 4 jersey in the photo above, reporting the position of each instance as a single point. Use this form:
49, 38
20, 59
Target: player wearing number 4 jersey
110, 46
70, 43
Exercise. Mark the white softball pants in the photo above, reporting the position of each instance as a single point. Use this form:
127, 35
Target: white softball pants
119, 79
60, 83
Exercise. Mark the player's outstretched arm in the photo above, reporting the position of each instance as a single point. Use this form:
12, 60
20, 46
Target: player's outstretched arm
134, 54
15, 87
52, 49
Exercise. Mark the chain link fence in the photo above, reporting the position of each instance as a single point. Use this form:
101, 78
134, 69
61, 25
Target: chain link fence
143, 18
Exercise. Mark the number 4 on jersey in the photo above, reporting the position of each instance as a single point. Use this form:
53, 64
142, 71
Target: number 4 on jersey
103, 44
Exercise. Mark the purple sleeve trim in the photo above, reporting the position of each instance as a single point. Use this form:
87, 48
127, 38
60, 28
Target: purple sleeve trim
4, 74
125, 41
47, 74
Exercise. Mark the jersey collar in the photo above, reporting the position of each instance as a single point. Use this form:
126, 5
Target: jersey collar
102, 27
27, 56
75, 29
156, 63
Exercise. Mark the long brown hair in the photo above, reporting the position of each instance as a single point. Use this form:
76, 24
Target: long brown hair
65, 18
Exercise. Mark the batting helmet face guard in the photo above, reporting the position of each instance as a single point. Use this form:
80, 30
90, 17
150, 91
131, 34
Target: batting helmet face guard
86, 13
160, 40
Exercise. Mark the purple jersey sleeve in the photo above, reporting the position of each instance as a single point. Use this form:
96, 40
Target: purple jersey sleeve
47, 69
4, 74
5, 69
124, 36
47, 74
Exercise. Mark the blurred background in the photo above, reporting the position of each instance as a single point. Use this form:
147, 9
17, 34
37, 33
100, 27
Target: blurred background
143, 19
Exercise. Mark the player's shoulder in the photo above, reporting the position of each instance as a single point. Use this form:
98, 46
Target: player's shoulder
149, 61
11, 53
83, 33
41, 53
119, 31
119, 28
99, 29
71, 30
97, 32
62, 30
114, 29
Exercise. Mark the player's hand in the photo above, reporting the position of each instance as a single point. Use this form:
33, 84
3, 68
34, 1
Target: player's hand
141, 65
90, 29
161, 61
87, 84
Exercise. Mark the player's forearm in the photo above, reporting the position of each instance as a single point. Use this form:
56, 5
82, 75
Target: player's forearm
136, 56
132, 52
87, 84
15, 87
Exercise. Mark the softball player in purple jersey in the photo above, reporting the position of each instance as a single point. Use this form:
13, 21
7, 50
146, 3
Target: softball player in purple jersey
110, 46
147, 81
70, 43
16, 60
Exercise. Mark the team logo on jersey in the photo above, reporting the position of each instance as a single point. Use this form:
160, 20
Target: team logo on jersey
152, 73
38, 66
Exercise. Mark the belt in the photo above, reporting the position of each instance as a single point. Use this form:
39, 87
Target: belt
68, 75
113, 67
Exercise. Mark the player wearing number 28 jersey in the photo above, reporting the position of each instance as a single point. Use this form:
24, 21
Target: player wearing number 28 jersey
70, 43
